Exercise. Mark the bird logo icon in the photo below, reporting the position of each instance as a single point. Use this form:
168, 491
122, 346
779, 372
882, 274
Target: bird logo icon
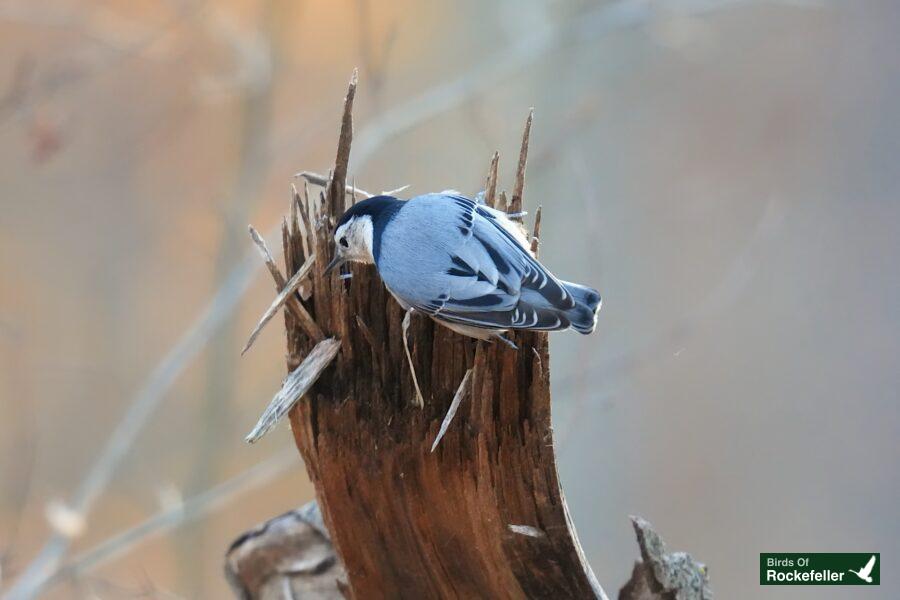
866, 572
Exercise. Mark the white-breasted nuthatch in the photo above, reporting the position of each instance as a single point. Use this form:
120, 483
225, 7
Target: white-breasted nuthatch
464, 264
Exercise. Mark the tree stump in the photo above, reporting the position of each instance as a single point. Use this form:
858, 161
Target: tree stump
482, 515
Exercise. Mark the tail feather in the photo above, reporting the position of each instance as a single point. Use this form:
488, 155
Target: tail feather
583, 317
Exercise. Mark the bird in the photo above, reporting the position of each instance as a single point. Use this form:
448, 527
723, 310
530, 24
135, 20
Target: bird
464, 264
866, 572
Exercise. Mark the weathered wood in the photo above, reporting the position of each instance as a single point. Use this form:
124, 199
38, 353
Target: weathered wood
297, 383
661, 575
287, 291
305, 320
289, 556
294, 553
407, 522
335, 190
454, 406
515, 203
318, 179
300, 219
490, 185
501, 203
536, 234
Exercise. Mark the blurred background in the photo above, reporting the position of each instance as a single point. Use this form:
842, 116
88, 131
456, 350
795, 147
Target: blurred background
725, 172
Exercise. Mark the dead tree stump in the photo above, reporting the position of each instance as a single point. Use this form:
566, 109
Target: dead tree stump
481, 516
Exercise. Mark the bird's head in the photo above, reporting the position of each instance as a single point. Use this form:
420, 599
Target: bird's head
354, 235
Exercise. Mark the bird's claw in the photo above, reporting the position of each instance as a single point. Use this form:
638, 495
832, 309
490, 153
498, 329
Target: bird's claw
507, 341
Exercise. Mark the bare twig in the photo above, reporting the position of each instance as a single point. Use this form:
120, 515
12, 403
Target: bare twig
294, 305
485, 75
251, 80
296, 384
402, 117
144, 403
454, 405
605, 18
395, 191
194, 508
515, 205
322, 180
286, 292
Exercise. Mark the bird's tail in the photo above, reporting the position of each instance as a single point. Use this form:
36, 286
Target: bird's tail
587, 304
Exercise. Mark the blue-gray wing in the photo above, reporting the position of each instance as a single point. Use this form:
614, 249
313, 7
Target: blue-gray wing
462, 262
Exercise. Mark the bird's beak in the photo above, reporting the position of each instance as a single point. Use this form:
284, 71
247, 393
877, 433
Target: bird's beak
337, 261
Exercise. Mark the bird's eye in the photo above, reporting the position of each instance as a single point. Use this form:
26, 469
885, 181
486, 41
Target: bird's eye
344, 242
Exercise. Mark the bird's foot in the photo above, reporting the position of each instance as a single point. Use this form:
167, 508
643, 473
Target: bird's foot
506, 341
419, 400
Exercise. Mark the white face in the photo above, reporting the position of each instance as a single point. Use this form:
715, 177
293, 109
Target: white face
353, 240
